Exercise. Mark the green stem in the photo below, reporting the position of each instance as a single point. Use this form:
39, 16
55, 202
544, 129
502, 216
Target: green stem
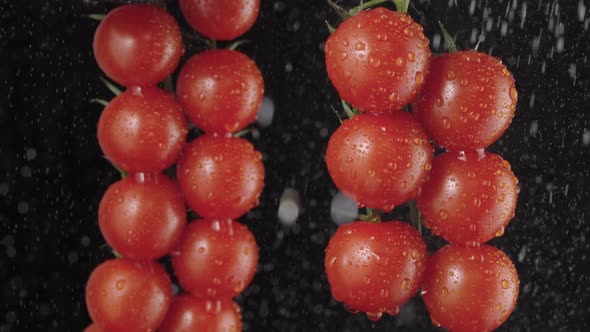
242, 132
372, 215
344, 15
350, 112
111, 86
330, 27
97, 17
99, 101
368, 4
415, 216
237, 43
402, 5
448, 39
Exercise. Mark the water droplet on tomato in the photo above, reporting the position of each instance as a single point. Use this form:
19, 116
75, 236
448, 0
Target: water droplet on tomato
216, 226
394, 96
374, 316
375, 62
239, 286
505, 284
419, 77
121, 284
406, 284
513, 93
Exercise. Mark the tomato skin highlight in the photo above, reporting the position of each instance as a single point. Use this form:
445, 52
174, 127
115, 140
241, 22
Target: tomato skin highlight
468, 101
378, 60
470, 289
380, 161
142, 130
220, 20
469, 197
141, 217
375, 267
128, 296
138, 45
189, 314
220, 90
220, 177
215, 258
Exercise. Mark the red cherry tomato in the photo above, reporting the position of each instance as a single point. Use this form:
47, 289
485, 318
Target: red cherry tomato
189, 314
93, 328
142, 130
128, 296
469, 198
220, 90
142, 217
468, 100
375, 267
221, 20
379, 161
377, 60
221, 177
215, 258
470, 288
138, 45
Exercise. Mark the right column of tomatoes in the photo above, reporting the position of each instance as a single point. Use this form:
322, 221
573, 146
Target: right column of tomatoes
407, 101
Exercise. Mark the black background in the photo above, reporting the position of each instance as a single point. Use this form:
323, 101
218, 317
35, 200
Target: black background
52, 173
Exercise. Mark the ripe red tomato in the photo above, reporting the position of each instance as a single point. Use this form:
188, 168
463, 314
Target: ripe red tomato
220, 90
468, 100
138, 45
142, 130
379, 161
142, 216
375, 267
221, 20
127, 296
93, 328
470, 288
189, 314
378, 59
221, 177
215, 258
469, 198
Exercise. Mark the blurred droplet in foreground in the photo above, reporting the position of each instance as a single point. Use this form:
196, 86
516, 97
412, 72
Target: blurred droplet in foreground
343, 209
266, 112
289, 206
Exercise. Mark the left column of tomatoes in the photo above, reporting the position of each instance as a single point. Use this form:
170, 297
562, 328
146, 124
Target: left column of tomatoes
143, 217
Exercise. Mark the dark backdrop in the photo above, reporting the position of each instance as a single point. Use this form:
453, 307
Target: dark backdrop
52, 174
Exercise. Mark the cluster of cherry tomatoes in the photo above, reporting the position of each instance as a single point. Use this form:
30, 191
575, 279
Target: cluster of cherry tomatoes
379, 62
143, 131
